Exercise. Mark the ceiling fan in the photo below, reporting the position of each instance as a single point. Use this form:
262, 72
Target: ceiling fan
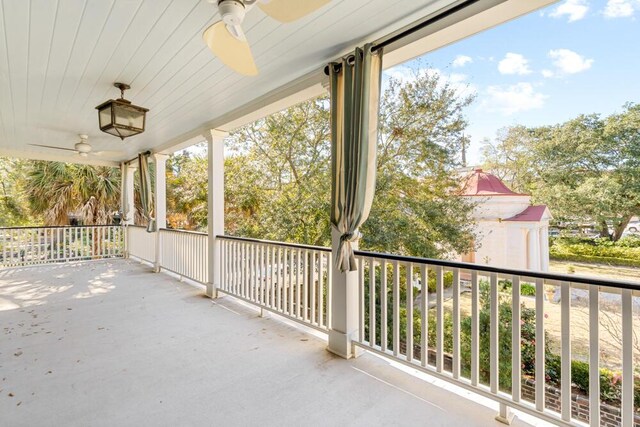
82, 148
227, 40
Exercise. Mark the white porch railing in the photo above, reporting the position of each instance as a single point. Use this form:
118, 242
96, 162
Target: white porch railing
20, 246
140, 244
386, 303
452, 320
288, 279
184, 253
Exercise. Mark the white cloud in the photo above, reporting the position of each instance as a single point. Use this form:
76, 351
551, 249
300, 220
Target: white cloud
569, 62
514, 63
513, 99
620, 8
456, 81
574, 9
461, 61
404, 74
547, 73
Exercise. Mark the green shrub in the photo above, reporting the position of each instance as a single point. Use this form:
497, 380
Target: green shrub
610, 382
527, 344
631, 241
447, 280
526, 289
625, 252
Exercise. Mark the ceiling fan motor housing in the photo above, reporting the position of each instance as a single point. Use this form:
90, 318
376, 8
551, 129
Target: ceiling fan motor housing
231, 11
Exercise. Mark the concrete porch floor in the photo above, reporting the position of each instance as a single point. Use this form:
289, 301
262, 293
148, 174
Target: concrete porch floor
111, 343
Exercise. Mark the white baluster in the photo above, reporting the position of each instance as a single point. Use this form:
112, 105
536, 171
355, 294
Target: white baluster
594, 357
409, 309
456, 324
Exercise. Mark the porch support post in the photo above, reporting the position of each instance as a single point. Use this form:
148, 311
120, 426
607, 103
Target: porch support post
160, 202
344, 305
160, 199
215, 206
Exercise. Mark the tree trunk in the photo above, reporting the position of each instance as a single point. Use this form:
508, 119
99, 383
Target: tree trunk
604, 229
619, 229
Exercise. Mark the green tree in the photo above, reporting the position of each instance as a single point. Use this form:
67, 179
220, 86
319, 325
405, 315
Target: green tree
277, 174
415, 209
55, 189
14, 209
187, 191
278, 181
586, 169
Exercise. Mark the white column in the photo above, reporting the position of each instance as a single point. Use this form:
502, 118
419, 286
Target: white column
534, 249
160, 202
215, 206
160, 190
344, 306
544, 248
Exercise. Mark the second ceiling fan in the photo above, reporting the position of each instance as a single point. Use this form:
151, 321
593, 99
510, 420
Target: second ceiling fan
227, 40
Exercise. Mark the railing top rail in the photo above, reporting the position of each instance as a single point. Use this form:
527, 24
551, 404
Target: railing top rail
30, 227
176, 230
505, 271
271, 242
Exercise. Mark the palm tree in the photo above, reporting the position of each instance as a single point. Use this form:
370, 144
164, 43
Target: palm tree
55, 189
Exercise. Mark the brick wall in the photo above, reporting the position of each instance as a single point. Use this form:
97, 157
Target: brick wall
610, 416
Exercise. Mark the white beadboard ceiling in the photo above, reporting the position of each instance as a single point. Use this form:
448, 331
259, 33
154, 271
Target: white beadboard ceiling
60, 58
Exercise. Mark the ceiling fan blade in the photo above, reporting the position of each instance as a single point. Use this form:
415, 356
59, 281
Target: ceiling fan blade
108, 153
55, 148
290, 10
233, 52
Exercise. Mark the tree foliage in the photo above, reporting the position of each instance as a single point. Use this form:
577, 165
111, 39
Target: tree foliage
585, 169
14, 210
415, 210
55, 190
278, 176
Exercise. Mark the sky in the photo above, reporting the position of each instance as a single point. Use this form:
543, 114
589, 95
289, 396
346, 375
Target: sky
574, 57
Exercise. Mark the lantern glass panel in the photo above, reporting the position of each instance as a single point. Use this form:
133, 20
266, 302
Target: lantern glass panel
104, 116
126, 132
127, 116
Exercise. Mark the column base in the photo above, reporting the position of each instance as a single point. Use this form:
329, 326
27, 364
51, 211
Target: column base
505, 416
341, 345
212, 291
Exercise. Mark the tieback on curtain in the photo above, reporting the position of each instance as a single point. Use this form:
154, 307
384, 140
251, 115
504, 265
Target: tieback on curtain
351, 237
355, 95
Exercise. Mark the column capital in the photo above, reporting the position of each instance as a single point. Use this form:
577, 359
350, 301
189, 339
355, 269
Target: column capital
215, 135
160, 156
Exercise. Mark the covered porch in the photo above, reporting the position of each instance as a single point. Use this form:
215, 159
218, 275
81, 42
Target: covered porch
111, 343
91, 336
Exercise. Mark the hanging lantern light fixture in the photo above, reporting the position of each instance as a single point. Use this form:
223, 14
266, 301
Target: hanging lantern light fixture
119, 117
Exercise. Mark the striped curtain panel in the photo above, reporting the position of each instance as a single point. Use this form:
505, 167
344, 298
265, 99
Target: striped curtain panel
145, 191
125, 209
355, 99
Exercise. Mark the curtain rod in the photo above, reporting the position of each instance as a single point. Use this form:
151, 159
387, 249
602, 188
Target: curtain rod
146, 153
409, 31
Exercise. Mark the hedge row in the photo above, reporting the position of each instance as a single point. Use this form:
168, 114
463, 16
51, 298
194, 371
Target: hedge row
624, 262
624, 252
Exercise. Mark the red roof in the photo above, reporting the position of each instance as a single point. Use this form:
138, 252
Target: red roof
532, 213
480, 183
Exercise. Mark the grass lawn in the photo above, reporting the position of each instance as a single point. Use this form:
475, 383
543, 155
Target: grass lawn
597, 270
